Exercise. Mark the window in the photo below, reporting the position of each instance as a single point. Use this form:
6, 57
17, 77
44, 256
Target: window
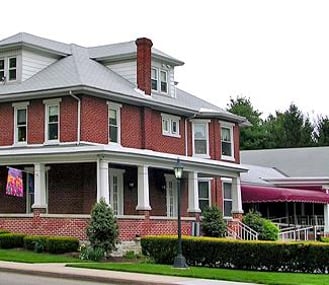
227, 141
159, 84
8, 69
114, 122
154, 79
171, 193
12, 68
116, 190
2, 69
200, 138
164, 81
170, 125
52, 125
227, 187
20, 122
204, 196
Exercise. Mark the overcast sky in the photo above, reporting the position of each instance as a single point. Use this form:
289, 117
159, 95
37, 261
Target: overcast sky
274, 52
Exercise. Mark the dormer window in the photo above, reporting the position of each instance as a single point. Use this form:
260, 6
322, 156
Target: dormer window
2, 69
12, 65
154, 79
164, 81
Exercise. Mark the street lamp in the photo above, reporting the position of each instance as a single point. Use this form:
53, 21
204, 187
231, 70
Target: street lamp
179, 261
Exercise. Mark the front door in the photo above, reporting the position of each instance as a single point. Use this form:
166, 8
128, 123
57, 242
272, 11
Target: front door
116, 190
171, 187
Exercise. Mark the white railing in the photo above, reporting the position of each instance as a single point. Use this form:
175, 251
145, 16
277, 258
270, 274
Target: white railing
241, 231
300, 233
311, 220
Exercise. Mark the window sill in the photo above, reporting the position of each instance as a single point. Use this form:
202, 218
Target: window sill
171, 135
230, 158
201, 155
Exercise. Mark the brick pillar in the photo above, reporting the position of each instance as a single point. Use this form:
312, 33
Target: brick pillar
144, 55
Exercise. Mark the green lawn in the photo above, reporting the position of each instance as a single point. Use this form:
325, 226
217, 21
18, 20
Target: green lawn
214, 273
20, 255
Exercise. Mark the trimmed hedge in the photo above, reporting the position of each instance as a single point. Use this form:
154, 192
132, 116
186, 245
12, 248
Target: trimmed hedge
62, 244
3, 231
32, 241
10, 240
311, 257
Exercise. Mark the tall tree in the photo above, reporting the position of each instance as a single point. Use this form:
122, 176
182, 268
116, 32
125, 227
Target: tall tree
252, 137
322, 131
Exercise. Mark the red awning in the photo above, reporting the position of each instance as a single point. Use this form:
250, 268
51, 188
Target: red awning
263, 194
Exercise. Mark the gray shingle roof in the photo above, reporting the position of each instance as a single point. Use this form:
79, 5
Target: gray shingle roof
295, 162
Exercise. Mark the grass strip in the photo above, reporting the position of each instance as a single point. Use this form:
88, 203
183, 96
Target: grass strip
272, 278
20, 255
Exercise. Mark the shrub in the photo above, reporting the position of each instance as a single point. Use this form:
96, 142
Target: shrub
311, 257
103, 229
62, 244
35, 242
11, 240
91, 253
213, 224
3, 231
266, 229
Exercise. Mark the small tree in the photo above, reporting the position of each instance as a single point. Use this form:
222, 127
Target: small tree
213, 224
103, 230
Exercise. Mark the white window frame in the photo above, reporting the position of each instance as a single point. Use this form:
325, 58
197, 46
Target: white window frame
3, 70
158, 80
205, 180
17, 107
120, 194
168, 122
206, 123
227, 181
229, 126
6, 68
166, 82
52, 103
12, 68
116, 107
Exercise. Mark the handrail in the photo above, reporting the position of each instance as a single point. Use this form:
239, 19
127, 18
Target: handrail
242, 231
300, 233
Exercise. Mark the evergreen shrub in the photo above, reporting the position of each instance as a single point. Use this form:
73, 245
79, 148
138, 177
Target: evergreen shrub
212, 223
11, 240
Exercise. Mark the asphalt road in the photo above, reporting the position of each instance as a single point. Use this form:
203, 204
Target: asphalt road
24, 279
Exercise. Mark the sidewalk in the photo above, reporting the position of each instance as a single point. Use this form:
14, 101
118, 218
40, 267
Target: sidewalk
60, 271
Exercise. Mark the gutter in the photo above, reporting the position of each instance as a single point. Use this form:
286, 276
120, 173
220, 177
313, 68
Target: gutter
79, 116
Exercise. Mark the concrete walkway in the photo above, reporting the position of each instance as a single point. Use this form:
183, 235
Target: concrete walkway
60, 271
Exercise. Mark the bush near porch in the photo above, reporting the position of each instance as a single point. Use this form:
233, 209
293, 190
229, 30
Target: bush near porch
311, 257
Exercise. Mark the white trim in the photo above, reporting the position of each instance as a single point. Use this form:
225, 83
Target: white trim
206, 123
120, 184
227, 181
116, 107
158, 79
171, 195
170, 119
52, 103
205, 180
17, 107
229, 126
21, 104
66, 216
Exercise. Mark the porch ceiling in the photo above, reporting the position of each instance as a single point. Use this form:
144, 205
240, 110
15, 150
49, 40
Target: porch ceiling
263, 194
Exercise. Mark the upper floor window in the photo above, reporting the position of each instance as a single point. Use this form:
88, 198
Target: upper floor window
227, 141
164, 81
52, 124
114, 122
20, 122
200, 138
154, 79
8, 69
204, 194
227, 189
162, 84
170, 125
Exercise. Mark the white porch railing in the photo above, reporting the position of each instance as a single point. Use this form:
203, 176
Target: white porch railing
300, 233
242, 231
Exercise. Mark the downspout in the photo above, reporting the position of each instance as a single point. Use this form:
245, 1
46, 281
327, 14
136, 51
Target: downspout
79, 115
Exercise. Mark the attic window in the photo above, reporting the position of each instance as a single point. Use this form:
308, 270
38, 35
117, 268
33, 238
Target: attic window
154, 79
12, 68
8, 69
164, 81
2, 69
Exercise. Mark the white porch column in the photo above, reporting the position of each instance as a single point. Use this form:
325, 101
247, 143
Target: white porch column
39, 186
326, 219
193, 193
143, 191
236, 196
103, 180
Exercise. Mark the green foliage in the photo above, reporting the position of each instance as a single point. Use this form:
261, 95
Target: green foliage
322, 131
35, 242
312, 257
11, 240
213, 224
103, 231
91, 253
324, 239
3, 231
266, 229
62, 244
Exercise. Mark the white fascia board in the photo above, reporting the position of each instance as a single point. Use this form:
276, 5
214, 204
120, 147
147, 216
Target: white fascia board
298, 181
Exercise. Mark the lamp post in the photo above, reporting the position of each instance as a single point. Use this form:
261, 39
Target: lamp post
179, 261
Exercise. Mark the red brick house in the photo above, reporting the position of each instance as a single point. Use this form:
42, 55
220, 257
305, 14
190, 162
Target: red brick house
109, 121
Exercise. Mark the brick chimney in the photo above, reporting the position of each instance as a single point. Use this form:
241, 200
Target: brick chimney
144, 46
